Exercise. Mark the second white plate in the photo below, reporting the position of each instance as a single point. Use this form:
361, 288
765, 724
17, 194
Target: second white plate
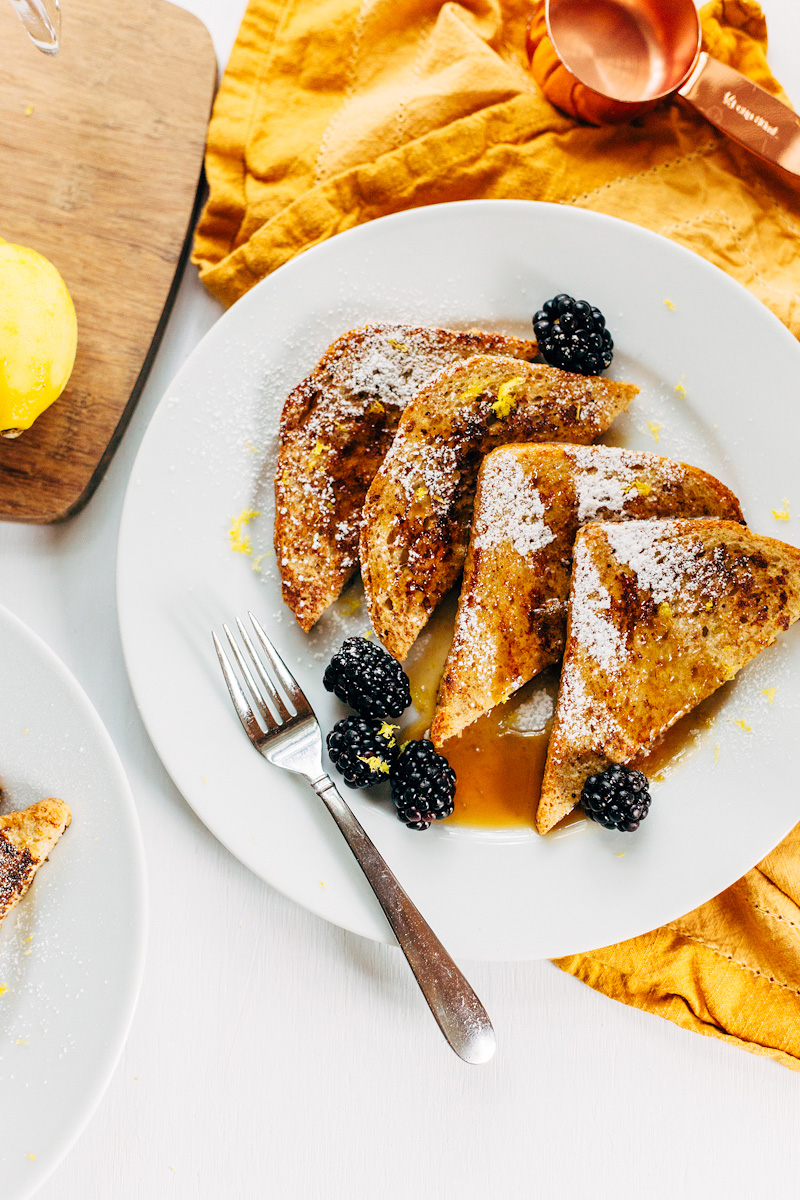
701, 349
72, 951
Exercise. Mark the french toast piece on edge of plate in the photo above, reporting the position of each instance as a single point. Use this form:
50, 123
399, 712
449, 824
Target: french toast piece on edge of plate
418, 509
530, 502
661, 614
335, 429
26, 839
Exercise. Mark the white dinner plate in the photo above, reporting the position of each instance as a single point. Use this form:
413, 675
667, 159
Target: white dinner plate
719, 388
72, 951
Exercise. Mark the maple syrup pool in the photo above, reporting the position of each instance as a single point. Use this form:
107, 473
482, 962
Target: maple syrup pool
499, 760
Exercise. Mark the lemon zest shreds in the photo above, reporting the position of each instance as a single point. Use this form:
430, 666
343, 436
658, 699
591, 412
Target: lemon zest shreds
240, 541
506, 399
315, 453
375, 764
472, 392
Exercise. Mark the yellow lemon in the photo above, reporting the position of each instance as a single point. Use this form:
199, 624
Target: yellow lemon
38, 336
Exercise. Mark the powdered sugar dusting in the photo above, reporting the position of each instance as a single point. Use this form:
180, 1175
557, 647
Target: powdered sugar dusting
603, 481
475, 646
532, 717
590, 614
394, 362
511, 511
583, 717
337, 425
606, 477
665, 563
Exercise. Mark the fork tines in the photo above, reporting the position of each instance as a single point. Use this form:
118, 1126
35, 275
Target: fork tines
262, 682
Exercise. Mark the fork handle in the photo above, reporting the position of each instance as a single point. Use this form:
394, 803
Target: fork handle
459, 1013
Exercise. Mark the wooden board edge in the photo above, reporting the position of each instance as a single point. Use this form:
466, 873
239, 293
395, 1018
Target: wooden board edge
76, 505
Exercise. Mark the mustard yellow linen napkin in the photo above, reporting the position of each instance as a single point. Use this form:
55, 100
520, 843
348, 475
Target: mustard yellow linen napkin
333, 112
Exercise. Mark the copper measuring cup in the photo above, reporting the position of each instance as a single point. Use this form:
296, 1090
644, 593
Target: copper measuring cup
634, 51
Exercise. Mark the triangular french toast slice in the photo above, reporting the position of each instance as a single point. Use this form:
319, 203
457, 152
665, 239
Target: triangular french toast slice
418, 509
335, 429
529, 504
26, 839
661, 614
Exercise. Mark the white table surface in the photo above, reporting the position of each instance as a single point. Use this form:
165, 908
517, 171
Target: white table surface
273, 1055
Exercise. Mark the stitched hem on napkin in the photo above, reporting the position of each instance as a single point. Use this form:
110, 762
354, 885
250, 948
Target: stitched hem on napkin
721, 1003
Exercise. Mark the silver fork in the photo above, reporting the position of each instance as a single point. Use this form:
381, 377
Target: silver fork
293, 740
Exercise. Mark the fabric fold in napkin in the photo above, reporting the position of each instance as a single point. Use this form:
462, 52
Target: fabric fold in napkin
334, 112
730, 969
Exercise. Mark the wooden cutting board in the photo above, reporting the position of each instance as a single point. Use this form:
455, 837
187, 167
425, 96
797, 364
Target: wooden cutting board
101, 151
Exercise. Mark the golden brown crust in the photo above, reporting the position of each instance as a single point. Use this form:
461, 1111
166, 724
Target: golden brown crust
26, 839
419, 507
661, 614
336, 427
530, 502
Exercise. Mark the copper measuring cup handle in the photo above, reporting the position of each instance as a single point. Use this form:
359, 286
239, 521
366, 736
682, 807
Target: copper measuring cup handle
745, 112
635, 51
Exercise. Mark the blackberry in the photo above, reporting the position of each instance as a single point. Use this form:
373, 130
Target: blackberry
572, 335
423, 785
362, 750
364, 676
617, 798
